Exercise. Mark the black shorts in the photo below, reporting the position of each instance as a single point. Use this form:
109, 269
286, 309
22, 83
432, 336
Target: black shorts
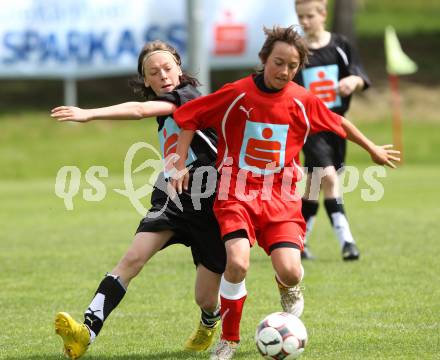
324, 149
197, 229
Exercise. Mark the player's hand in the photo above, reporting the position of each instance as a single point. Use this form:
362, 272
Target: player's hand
70, 113
385, 155
348, 85
179, 179
179, 182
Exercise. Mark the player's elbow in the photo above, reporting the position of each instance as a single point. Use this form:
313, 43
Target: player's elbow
141, 111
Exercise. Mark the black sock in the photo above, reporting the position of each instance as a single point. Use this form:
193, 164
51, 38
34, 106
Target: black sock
309, 208
108, 295
333, 205
209, 319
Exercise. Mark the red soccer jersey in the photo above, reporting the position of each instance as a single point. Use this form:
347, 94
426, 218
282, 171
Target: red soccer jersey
259, 133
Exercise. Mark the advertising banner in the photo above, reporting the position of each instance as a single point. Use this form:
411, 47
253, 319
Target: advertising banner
90, 38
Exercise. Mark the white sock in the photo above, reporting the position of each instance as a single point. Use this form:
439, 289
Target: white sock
92, 335
309, 227
232, 291
342, 228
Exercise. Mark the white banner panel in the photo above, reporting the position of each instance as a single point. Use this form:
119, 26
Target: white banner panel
235, 28
89, 38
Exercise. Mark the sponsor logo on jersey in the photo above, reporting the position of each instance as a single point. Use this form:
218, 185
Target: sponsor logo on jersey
168, 136
322, 81
263, 148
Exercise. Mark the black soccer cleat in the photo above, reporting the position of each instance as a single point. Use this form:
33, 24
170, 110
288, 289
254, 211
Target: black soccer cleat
306, 254
350, 252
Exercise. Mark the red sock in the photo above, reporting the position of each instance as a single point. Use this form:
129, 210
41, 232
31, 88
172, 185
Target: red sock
231, 311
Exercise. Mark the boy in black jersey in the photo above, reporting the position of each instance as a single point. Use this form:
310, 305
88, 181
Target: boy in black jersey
166, 87
333, 73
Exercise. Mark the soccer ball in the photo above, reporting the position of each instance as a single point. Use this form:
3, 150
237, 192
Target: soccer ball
281, 336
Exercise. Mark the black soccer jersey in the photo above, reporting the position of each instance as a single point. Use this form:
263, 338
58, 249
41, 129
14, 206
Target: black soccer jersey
202, 152
327, 65
191, 218
204, 144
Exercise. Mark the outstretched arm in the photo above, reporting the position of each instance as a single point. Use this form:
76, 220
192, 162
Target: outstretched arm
181, 181
382, 155
125, 111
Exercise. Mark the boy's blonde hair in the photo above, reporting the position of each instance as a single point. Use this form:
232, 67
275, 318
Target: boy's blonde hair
321, 5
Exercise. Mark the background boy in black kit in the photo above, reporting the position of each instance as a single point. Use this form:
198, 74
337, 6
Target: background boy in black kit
333, 73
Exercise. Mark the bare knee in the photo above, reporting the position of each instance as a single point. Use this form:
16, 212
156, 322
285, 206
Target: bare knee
237, 267
207, 302
290, 275
133, 260
330, 183
331, 177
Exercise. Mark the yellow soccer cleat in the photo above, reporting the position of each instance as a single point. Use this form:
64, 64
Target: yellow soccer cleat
76, 336
202, 338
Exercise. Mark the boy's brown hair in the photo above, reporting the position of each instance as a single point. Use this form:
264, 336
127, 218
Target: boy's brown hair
288, 35
138, 84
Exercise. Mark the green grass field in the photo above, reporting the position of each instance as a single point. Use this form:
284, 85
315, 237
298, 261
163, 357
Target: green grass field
385, 306
407, 16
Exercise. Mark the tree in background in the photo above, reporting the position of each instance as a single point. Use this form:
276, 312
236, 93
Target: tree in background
343, 19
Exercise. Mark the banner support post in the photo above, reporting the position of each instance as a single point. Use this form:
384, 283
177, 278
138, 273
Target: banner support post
70, 92
198, 56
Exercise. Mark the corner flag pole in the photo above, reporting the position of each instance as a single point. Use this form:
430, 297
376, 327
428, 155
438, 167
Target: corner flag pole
397, 119
398, 63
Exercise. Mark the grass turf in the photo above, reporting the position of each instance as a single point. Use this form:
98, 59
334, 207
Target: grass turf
383, 307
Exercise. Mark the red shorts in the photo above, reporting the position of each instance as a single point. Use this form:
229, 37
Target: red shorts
267, 222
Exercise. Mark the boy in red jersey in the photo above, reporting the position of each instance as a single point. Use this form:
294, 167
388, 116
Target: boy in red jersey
262, 122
